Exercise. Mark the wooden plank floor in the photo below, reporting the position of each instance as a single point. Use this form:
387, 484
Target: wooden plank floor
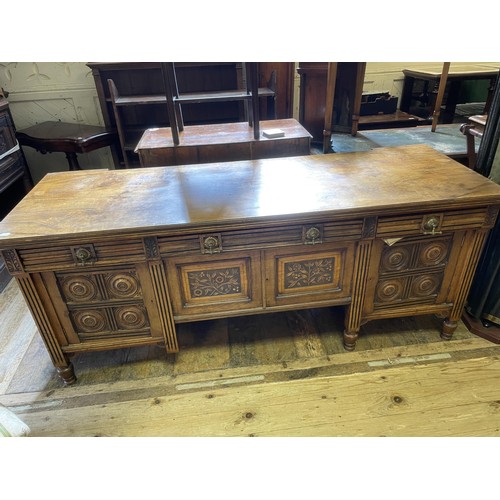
283, 374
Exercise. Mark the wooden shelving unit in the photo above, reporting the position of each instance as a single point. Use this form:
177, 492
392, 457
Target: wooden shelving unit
136, 99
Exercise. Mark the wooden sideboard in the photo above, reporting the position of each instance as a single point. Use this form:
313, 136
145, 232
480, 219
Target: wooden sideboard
15, 178
386, 233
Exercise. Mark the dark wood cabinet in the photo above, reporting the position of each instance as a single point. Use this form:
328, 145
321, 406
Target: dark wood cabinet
279, 75
313, 78
144, 80
314, 98
15, 180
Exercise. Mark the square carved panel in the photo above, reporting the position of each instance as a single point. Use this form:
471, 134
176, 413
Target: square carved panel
306, 274
205, 283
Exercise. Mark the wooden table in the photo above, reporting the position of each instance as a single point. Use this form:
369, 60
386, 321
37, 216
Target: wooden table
69, 138
222, 142
112, 259
457, 74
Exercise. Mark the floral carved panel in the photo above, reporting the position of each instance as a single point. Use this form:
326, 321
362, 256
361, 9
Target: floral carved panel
308, 273
214, 282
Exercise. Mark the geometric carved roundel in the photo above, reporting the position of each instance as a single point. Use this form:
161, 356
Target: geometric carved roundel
85, 288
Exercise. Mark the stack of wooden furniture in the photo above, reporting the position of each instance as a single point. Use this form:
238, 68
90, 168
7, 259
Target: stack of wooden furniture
137, 100
330, 102
175, 99
228, 141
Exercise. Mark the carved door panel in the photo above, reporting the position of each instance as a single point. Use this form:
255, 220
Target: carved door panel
298, 275
411, 272
204, 285
105, 304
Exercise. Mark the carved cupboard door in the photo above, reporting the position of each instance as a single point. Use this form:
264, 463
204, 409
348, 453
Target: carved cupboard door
105, 304
204, 285
411, 272
306, 275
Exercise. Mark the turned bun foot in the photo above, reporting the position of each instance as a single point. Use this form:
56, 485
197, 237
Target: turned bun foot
448, 328
67, 375
350, 341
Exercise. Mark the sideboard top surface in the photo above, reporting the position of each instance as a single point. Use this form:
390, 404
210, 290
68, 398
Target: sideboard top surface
394, 180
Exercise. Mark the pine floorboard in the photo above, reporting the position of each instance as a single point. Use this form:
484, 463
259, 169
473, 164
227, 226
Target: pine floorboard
283, 374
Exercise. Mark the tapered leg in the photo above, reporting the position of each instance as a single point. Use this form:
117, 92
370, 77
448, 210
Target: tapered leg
72, 161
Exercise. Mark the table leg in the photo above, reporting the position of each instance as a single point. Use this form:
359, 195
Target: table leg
452, 101
73, 161
407, 94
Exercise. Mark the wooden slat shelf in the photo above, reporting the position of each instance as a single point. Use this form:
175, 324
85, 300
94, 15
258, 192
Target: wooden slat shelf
225, 95
192, 97
135, 100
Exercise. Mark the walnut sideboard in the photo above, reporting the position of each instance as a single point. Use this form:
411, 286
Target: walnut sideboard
112, 259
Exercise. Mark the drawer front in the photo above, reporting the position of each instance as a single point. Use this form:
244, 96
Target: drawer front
264, 237
309, 276
204, 285
431, 222
108, 304
82, 255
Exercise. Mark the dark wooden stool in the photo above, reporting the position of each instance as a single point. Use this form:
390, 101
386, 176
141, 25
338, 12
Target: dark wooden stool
69, 138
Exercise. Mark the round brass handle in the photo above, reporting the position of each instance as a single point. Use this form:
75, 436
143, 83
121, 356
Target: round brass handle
312, 236
313, 233
431, 224
210, 243
83, 255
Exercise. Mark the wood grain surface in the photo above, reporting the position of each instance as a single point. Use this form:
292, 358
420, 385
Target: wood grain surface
277, 375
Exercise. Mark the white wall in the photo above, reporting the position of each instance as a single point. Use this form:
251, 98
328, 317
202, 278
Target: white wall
47, 91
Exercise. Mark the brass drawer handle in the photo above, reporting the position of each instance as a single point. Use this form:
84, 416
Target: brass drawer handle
84, 255
430, 226
312, 236
211, 244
